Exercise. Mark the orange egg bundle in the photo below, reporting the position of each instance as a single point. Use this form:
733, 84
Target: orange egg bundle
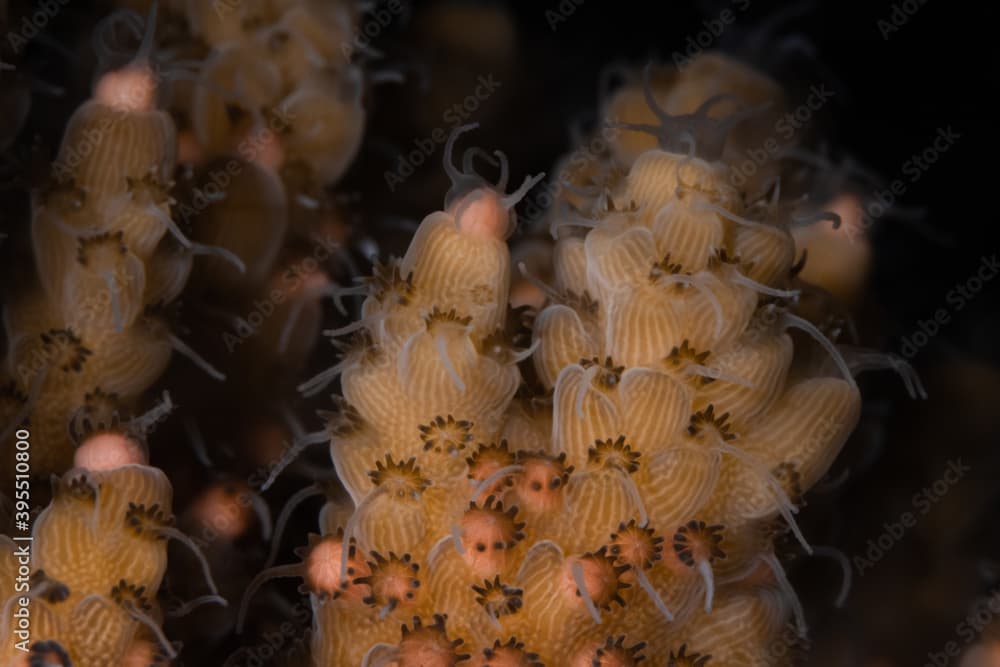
623, 504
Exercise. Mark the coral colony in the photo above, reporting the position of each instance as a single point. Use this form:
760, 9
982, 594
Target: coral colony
599, 476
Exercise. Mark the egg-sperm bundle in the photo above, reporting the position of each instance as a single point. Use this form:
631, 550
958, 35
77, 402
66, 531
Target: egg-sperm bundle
624, 503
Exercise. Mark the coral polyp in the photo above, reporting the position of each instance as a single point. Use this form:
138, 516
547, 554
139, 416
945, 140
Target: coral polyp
586, 419
680, 438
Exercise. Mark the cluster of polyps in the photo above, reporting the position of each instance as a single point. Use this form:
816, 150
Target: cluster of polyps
84, 344
279, 65
274, 117
98, 557
270, 116
632, 514
95, 332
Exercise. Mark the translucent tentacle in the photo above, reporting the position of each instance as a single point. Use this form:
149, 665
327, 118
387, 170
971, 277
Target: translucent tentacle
785, 505
454, 175
493, 619
290, 506
653, 594
808, 327
387, 76
186, 350
862, 361
148, 38
441, 343
717, 374
387, 609
186, 608
786, 588
365, 322
456, 540
263, 513
526, 352
321, 380
469, 157
704, 290
144, 423
153, 627
170, 225
116, 304
492, 479
289, 325
729, 215
547, 290
581, 586
289, 571
636, 498
705, 569
585, 385
745, 281
292, 452
380, 655
584, 191
819, 216
504, 170
845, 566
336, 292
175, 534
511, 200
403, 361
220, 252
352, 526
567, 217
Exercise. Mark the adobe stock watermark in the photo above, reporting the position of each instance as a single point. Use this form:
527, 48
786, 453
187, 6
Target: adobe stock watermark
272, 643
561, 13
899, 15
34, 23
982, 613
90, 139
711, 30
786, 645
883, 199
541, 197
785, 127
453, 116
249, 148
923, 501
378, 19
292, 279
23, 540
957, 298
